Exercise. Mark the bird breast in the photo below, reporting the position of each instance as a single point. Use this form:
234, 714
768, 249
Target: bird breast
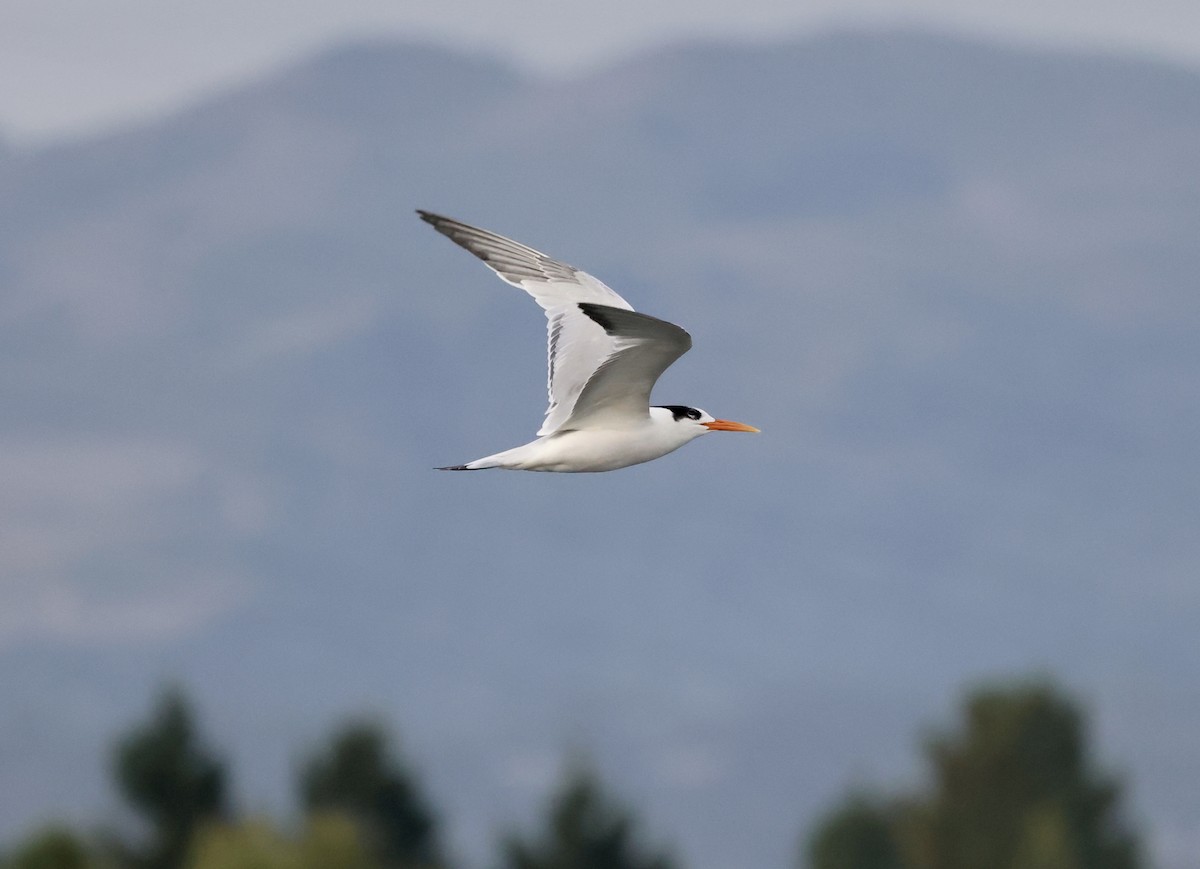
585, 450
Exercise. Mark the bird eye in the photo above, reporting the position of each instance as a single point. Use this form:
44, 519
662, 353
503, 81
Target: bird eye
693, 413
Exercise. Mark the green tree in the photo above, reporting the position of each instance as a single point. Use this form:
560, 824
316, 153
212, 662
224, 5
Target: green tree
334, 841
585, 829
358, 777
328, 842
166, 774
254, 844
52, 848
1017, 788
1014, 788
857, 835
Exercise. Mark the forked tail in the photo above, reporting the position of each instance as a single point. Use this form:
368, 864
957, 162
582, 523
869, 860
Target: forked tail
477, 465
507, 459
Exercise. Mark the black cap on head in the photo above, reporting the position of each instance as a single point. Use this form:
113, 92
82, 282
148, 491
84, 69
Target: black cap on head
680, 411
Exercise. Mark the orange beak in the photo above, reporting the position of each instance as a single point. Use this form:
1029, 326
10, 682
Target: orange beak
728, 425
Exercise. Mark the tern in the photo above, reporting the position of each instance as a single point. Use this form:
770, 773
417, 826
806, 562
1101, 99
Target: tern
603, 357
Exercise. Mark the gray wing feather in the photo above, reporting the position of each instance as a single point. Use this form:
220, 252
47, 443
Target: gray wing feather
550, 282
576, 345
643, 347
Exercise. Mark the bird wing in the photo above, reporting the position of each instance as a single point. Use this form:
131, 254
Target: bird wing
643, 347
576, 344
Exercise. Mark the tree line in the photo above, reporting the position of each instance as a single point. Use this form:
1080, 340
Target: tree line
1012, 786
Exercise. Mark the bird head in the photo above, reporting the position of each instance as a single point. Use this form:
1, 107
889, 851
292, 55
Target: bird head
702, 421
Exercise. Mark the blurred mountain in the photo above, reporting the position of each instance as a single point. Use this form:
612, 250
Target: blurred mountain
954, 283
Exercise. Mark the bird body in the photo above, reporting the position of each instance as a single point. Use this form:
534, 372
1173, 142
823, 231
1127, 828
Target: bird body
603, 360
595, 449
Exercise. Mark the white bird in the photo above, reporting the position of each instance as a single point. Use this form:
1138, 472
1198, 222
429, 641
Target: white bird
604, 359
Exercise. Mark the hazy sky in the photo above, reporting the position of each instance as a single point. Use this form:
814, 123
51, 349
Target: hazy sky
69, 66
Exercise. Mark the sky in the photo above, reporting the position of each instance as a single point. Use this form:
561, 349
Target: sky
75, 67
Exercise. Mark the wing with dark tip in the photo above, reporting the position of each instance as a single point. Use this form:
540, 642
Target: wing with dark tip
551, 283
643, 347
577, 345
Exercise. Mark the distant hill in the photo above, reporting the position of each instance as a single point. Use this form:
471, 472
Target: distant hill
953, 282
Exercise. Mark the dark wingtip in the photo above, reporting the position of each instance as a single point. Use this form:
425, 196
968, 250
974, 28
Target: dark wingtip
456, 468
599, 314
429, 216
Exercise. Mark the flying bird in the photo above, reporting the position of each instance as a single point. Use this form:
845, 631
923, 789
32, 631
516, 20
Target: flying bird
604, 358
